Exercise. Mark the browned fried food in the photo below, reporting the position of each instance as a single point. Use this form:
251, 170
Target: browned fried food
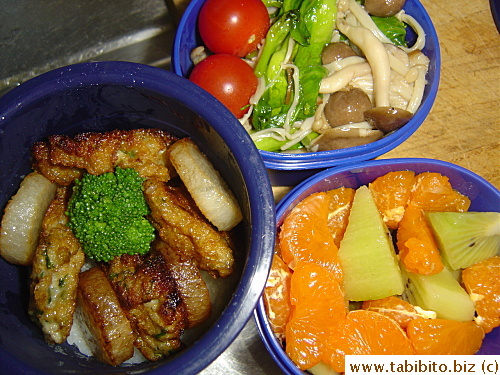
182, 229
190, 283
54, 278
112, 337
98, 153
145, 150
148, 294
54, 172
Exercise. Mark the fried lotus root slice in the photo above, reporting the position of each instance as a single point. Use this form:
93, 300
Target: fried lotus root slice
54, 276
148, 293
209, 190
22, 220
190, 283
184, 230
111, 335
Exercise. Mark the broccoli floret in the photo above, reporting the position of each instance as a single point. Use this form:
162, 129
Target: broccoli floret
106, 214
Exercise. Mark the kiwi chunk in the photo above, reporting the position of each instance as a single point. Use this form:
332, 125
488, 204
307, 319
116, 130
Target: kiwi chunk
466, 238
322, 368
366, 252
440, 293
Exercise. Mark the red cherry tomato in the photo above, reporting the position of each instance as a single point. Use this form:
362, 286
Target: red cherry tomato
234, 27
228, 78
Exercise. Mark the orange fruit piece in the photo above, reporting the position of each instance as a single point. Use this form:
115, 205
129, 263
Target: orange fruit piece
318, 305
305, 235
482, 281
391, 193
340, 206
395, 308
366, 332
417, 247
441, 336
433, 192
277, 296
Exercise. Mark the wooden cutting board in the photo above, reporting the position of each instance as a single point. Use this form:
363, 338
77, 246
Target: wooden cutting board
463, 126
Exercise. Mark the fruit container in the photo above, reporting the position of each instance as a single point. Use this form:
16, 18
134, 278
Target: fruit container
483, 195
103, 96
288, 169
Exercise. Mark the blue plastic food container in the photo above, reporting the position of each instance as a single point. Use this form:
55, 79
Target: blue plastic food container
289, 169
483, 196
104, 96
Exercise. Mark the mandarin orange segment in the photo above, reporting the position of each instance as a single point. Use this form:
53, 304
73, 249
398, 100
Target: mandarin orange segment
305, 235
318, 306
441, 336
277, 296
391, 193
482, 282
395, 308
417, 247
340, 201
366, 332
433, 192
416, 243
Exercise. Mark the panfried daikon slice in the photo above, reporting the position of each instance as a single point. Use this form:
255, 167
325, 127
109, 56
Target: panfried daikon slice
104, 320
208, 189
22, 219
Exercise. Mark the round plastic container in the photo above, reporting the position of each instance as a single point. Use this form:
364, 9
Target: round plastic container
290, 168
104, 96
483, 195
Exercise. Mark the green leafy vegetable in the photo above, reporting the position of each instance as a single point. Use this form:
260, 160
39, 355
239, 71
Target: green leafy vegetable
393, 28
106, 214
305, 26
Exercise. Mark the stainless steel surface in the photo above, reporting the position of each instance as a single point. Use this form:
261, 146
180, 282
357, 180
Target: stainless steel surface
37, 36
246, 356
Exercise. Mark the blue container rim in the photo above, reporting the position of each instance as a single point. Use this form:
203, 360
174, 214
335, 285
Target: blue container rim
264, 328
325, 159
262, 214
379, 162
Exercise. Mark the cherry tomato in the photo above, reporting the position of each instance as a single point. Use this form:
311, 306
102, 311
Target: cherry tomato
234, 27
228, 78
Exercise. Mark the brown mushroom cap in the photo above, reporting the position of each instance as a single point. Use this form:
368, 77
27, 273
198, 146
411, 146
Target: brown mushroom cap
387, 119
384, 8
335, 139
346, 107
336, 51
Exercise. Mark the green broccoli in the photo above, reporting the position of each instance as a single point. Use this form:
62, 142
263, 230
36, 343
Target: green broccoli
106, 214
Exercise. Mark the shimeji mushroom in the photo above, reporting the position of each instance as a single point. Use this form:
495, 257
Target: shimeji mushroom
347, 107
397, 79
343, 137
377, 57
384, 8
392, 80
336, 51
340, 79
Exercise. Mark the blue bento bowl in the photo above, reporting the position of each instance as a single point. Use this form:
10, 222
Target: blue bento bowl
102, 96
483, 195
288, 169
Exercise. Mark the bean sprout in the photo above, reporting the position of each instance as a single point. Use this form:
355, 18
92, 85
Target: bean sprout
390, 75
